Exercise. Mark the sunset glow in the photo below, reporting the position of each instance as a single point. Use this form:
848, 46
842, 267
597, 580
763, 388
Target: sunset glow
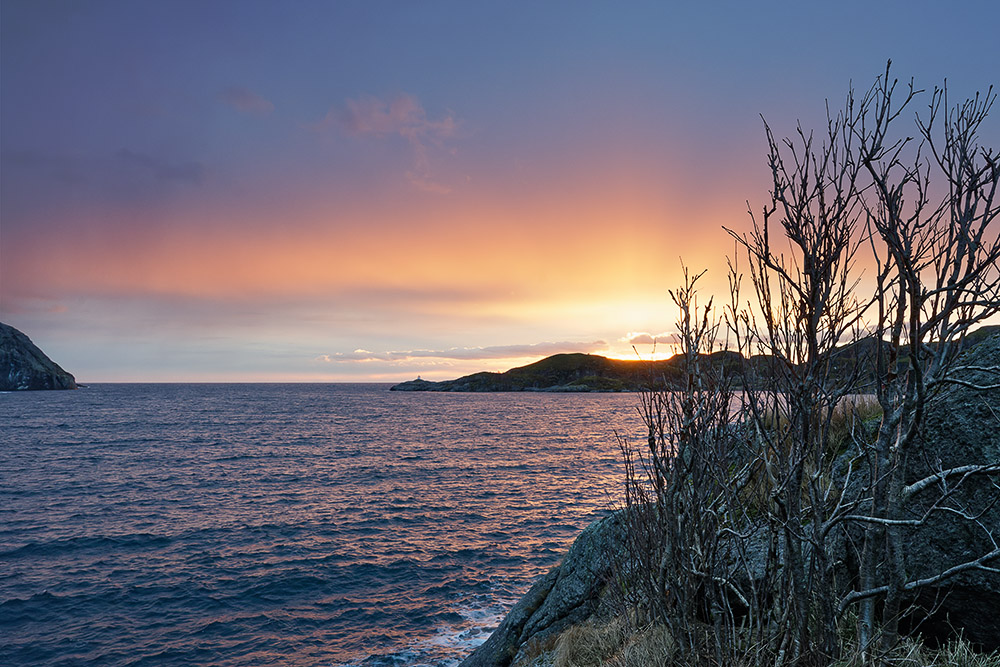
371, 192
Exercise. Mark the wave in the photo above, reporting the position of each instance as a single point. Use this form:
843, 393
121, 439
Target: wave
227, 525
60, 546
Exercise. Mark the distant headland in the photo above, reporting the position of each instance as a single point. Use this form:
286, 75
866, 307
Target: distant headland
559, 373
25, 367
593, 373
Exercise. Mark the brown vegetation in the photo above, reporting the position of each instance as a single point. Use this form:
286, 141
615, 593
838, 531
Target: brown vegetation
613, 644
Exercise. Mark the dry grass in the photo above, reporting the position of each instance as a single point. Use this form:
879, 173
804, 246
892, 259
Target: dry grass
589, 644
652, 646
850, 422
849, 418
537, 652
912, 653
614, 644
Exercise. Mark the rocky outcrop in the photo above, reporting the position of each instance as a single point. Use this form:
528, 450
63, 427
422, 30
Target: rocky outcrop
23, 366
961, 427
568, 594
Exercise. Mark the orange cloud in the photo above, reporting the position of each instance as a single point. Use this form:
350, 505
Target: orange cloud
469, 353
644, 338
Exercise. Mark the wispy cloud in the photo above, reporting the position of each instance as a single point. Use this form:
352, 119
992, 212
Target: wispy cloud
645, 338
32, 305
245, 100
468, 353
402, 116
164, 170
422, 183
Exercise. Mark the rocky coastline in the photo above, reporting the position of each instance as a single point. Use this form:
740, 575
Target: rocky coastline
962, 427
24, 367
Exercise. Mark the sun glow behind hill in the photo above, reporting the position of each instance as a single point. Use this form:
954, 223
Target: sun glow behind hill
181, 204
476, 272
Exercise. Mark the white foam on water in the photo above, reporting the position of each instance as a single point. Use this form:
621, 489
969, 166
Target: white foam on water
453, 642
450, 643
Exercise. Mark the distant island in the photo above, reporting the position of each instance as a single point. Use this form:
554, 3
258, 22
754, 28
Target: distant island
593, 373
25, 367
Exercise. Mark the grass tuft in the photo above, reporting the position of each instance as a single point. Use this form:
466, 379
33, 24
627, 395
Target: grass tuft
589, 644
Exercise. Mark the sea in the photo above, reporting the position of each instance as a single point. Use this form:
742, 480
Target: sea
287, 524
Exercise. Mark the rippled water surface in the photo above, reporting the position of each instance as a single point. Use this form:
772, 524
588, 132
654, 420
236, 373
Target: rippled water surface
246, 524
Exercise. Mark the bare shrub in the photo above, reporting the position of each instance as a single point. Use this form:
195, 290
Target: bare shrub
677, 500
741, 525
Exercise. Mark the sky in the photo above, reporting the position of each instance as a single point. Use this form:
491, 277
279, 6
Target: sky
375, 191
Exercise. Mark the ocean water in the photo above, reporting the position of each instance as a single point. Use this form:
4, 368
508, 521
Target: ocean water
286, 524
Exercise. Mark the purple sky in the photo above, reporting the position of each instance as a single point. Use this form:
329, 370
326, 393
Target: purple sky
373, 190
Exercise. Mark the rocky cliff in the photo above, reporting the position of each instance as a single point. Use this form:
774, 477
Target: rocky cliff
23, 366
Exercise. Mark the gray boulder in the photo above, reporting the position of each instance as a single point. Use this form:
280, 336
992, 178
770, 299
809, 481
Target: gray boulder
23, 366
961, 427
568, 594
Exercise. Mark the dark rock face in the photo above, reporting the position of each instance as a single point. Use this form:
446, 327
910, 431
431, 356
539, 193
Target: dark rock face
961, 427
23, 366
568, 594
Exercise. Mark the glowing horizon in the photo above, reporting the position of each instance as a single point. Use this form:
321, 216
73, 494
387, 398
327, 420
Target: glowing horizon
181, 205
